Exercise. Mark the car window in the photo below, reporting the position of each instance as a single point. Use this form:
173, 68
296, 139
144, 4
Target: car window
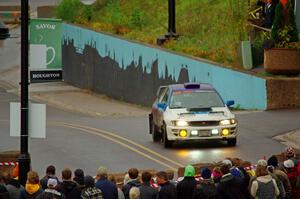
160, 91
195, 99
165, 96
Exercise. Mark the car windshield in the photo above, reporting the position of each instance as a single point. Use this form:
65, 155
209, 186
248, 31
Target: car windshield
195, 99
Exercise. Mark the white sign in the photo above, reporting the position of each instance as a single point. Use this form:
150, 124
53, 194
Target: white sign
36, 120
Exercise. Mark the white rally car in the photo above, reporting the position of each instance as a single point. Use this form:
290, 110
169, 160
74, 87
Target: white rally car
191, 112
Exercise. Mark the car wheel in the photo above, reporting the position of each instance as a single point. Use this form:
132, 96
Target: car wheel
155, 134
167, 143
231, 142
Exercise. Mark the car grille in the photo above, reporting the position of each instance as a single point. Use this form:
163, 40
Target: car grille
204, 123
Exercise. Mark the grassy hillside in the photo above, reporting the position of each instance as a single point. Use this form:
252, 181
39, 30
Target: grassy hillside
209, 29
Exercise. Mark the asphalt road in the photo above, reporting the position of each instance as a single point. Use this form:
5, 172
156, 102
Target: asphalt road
79, 141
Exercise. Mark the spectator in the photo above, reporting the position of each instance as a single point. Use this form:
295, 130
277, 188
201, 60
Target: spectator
290, 155
12, 185
186, 187
206, 188
79, 178
283, 181
90, 191
69, 188
51, 191
170, 174
264, 186
133, 181
229, 186
146, 191
109, 189
269, 13
4, 194
167, 190
50, 173
120, 192
32, 187
15, 173
292, 174
216, 175
134, 193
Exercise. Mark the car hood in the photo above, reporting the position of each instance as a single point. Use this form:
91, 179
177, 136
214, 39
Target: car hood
211, 114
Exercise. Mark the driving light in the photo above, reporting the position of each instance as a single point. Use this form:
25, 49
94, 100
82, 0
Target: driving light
181, 123
233, 121
194, 133
225, 132
225, 122
214, 132
182, 133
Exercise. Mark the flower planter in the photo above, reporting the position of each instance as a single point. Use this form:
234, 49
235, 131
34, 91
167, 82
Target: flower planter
282, 61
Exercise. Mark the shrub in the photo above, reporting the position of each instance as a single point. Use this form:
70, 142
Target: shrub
68, 10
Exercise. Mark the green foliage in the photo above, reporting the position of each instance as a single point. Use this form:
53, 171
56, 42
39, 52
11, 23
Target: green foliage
68, 10
210, 29
284, 28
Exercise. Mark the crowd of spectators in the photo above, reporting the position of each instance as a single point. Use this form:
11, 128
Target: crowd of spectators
268, 179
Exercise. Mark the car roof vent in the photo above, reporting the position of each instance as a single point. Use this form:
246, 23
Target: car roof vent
191, 85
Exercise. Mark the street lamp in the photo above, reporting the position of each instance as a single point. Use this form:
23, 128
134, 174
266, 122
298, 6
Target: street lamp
24, 158
171, 24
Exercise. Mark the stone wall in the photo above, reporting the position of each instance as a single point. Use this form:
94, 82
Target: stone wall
283, 93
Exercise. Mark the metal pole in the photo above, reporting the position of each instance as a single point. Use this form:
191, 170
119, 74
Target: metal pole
24, 159
172, 24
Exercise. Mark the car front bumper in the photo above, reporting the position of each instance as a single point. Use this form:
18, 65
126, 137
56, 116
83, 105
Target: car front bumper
203, 133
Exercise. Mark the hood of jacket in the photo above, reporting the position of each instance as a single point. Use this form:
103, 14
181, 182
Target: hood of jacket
134, 183
189, 171
264, 179
14, 183
31, 188
53, 191
69, 185
227, 177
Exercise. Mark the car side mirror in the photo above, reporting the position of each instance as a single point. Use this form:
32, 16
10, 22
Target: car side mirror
162, 106
230, 103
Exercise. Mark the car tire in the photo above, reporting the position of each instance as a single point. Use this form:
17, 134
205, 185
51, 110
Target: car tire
167, 143
231, 142
155, 134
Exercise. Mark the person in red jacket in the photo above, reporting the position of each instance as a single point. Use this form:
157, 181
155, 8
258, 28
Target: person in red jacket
292, 174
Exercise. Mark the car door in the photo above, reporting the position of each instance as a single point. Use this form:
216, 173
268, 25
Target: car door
160, 93
160, 111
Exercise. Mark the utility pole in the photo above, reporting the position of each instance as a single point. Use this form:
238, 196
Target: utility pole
172, 20
24, 159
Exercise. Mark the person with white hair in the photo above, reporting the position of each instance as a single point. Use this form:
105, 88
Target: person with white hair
134, 193
108, 188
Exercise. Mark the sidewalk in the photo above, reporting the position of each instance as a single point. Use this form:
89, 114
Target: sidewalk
64, 96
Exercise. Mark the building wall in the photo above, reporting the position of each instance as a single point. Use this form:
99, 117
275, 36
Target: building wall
132, 71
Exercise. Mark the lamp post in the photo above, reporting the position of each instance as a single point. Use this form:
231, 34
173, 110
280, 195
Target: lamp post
24, 158
171, 24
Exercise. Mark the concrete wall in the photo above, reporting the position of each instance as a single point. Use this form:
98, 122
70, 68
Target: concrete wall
133, 71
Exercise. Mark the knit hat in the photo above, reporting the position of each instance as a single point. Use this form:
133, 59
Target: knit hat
189, 171
262, 162
288, 164
289, 152
227, 162
89, 181
273, 161
206, 173
216, 173
52, 183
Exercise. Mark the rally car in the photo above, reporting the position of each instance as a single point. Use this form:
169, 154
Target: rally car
191, 112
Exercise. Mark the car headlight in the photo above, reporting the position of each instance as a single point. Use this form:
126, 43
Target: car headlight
228, 122
181, 123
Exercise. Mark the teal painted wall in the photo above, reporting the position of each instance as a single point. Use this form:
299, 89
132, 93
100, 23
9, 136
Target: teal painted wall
249, 92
